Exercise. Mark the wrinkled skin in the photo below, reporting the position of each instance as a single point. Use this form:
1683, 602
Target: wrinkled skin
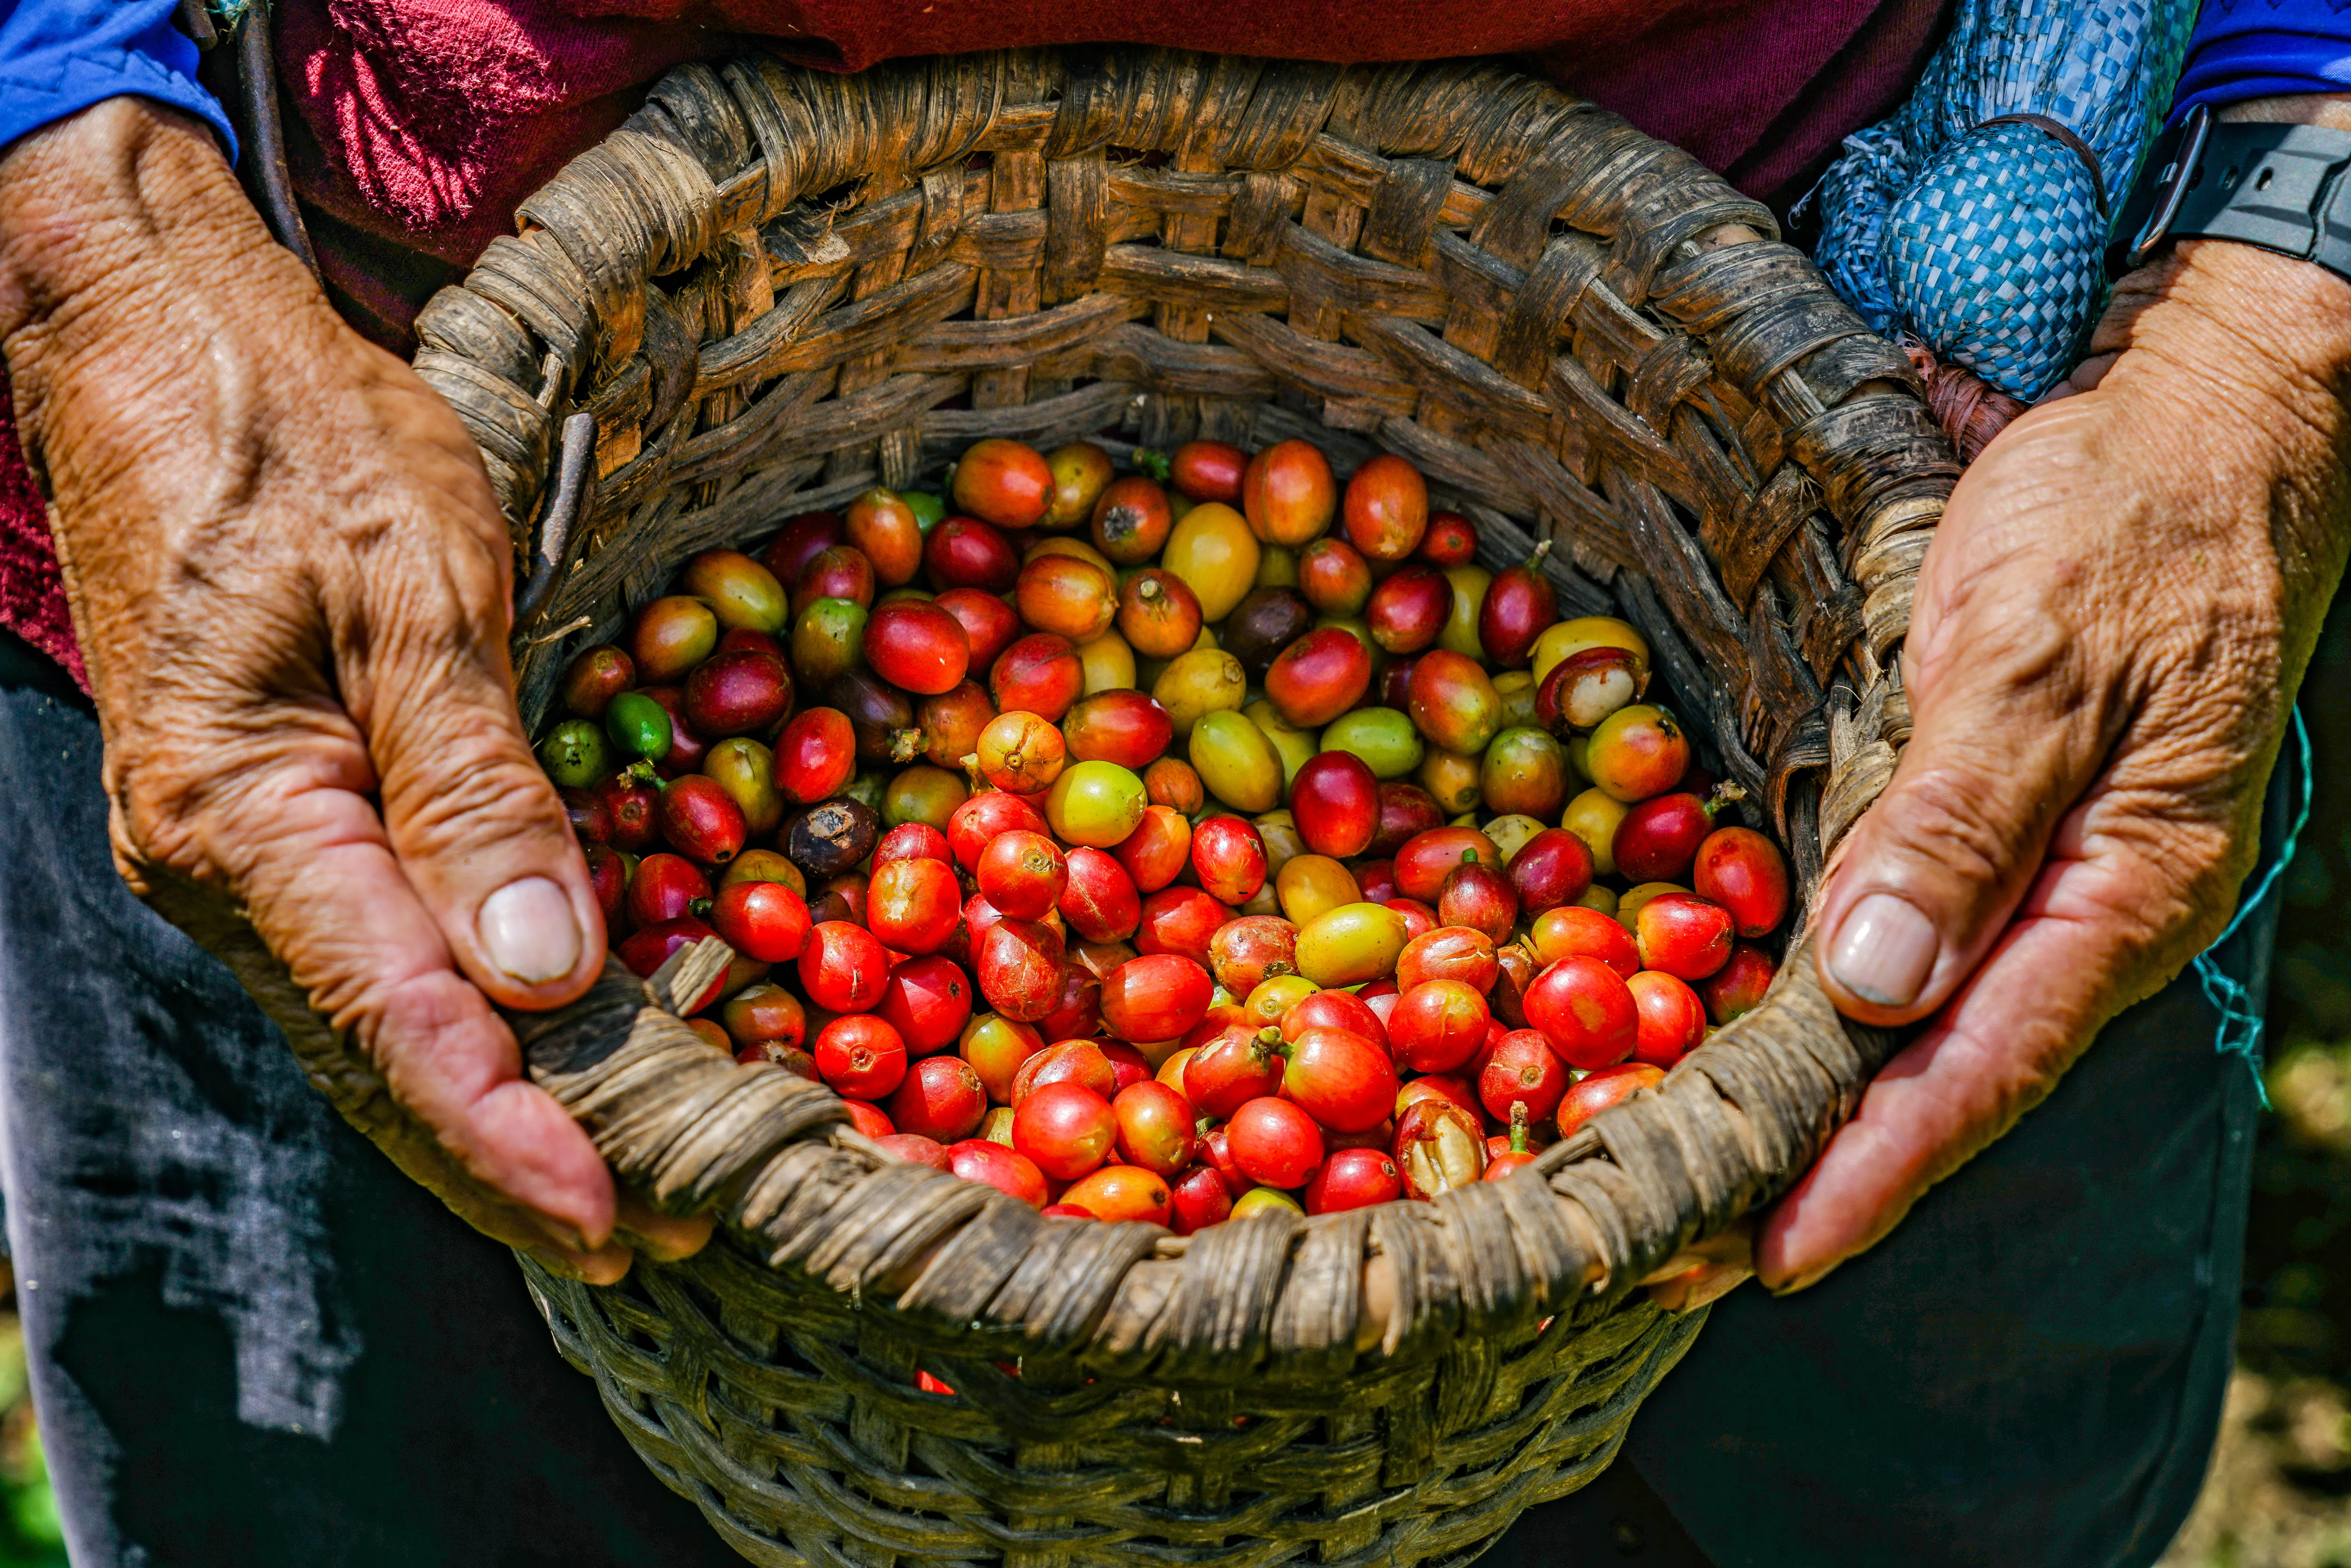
290, 583
2109, 630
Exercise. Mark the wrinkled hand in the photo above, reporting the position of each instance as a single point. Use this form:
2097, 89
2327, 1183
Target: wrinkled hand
2109, 628
290, 584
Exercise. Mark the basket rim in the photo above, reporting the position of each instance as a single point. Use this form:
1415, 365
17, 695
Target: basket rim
1597, 1210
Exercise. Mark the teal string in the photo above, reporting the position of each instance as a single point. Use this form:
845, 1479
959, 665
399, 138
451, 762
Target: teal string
2240, 1032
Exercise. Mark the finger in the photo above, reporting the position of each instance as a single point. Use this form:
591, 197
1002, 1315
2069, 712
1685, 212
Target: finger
662, 1238
424, 1160
1930, 874
607, 1265
1734, 1245
352, 1082
311, 864
475, 825
2083, 948
1697, 1286
1705, 1271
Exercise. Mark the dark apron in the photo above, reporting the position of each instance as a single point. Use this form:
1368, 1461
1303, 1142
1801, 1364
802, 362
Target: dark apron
2029, 1372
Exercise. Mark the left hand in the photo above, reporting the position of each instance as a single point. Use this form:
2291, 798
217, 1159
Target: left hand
2108, 632
289, 581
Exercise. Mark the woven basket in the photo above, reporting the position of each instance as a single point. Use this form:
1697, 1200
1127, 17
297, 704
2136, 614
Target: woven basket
772, 290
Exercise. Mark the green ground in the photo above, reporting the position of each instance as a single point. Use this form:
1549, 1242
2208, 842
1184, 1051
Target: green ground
2279, 1494
28, 1522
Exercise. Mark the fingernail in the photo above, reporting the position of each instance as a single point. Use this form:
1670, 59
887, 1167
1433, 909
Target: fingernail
1805, 1280
528, 930
1885, 951
659, 1252
565, 1237
555, 1263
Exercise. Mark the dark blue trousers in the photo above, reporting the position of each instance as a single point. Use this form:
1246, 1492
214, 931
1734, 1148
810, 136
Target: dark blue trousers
255, 1343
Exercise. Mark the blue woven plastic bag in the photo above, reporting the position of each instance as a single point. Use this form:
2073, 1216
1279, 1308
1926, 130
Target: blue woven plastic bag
1983, 240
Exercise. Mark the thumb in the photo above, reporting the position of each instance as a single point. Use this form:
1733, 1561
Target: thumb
475, 825
2004, 743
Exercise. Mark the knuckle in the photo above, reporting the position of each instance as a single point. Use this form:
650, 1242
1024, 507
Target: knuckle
161, 814
439, 532
432, 670
398, 463
202, 805
434, 622
478, 792
2153, 926
2176, 887
2216, 868
2040, 1059
152, 835
420, 1029
1940, 815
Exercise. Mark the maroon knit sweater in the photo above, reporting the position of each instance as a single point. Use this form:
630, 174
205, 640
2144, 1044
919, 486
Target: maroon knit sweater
429, 121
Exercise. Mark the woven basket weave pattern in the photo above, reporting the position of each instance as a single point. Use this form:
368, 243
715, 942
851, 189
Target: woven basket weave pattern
774, 289
758, 1423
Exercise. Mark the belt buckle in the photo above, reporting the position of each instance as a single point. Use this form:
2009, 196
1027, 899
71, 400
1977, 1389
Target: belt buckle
2171, 186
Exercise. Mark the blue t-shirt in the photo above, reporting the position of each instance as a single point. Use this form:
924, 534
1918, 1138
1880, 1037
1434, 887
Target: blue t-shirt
59, 56
2260, 48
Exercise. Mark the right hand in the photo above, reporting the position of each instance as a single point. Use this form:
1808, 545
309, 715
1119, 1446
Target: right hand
2108, 632
290, 583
